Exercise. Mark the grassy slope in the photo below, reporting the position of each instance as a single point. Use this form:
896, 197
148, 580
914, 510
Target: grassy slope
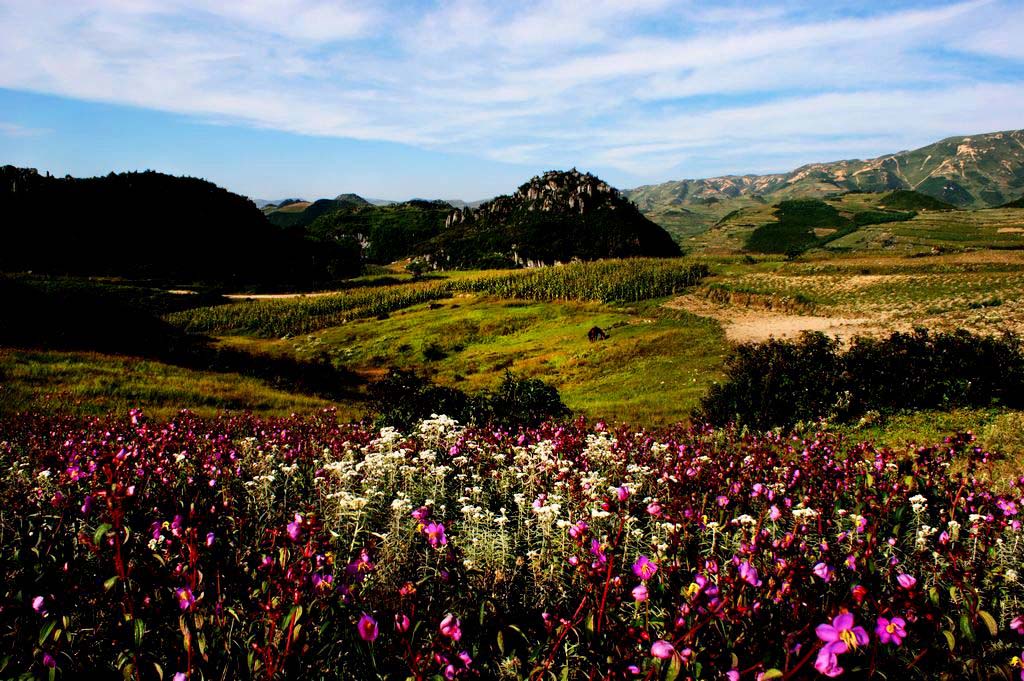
93, 383
653, 369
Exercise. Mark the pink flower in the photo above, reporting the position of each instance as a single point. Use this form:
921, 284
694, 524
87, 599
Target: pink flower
451, 627
908, 582
654, 508
748, 573
367, 628
38, 604
1017, 624
823, 571
435, 534
577, 530
732, 675
49, 661
662, 650
891, 631
210, 538
774, 513
839, 637
185, 598
180, 676
644, 568
622, 493
640, 593
295, 528
402, 623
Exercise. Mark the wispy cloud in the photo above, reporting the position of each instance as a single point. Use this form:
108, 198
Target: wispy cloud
648, 87
15, 130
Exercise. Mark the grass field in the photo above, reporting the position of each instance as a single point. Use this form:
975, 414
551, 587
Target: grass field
93, 384
653, 368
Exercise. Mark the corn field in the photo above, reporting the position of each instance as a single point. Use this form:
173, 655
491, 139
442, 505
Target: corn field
604, 281
291, 316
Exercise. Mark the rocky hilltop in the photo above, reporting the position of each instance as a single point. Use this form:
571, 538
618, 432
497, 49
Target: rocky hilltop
555, 217
976, 171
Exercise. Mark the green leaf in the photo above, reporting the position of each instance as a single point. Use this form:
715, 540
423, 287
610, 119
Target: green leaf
45, 633
159, 671
950, 639
674, 667
139, 628
101, 532
772, 674
109, 584
501, 642
990, 622
965, 627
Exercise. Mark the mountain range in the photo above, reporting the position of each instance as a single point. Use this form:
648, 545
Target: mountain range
974, 171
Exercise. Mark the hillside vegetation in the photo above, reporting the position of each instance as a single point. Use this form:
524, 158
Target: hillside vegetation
556, 217
121, 225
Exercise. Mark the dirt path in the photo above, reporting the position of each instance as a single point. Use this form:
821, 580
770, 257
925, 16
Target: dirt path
752, 324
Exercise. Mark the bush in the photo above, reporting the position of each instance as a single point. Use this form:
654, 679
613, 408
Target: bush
777, 383
403, 398
524, 402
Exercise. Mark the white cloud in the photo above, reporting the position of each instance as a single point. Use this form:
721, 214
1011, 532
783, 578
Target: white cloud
638, 86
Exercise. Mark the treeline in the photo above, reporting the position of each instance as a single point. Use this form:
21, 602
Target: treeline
152, 226
778, 383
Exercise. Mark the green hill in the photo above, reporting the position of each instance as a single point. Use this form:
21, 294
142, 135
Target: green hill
385, 233
903, 199
556, 217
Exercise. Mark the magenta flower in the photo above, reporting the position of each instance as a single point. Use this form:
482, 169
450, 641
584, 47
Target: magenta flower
598, 553
748, 573
774, 513
39, 605
185, 598
295, 528
644, 568
908, 582
891, 631
49, 661
662, 650
180, 676
435, 534
451, 627
577, 530
622, 493
823, 571
402, 623
1017, 624
839, 637
367, 628
640, 593
210, 538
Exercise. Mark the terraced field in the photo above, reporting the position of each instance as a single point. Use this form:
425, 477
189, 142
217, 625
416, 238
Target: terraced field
981, 291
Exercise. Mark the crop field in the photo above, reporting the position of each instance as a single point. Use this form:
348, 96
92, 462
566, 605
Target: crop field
980, 291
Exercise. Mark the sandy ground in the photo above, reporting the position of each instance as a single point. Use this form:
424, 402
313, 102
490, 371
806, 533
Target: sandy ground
751, 324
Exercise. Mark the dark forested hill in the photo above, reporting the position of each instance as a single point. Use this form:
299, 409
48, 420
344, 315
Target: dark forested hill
154, 226
555, 217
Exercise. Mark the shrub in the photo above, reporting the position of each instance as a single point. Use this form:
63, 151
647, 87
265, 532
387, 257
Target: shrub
777, 383
403, 398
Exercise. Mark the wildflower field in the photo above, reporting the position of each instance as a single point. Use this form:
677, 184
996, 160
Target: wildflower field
242, 547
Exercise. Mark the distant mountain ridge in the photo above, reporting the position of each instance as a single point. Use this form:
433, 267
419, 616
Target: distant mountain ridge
973, 171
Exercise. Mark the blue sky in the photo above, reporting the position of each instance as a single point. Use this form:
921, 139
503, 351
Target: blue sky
467, 99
